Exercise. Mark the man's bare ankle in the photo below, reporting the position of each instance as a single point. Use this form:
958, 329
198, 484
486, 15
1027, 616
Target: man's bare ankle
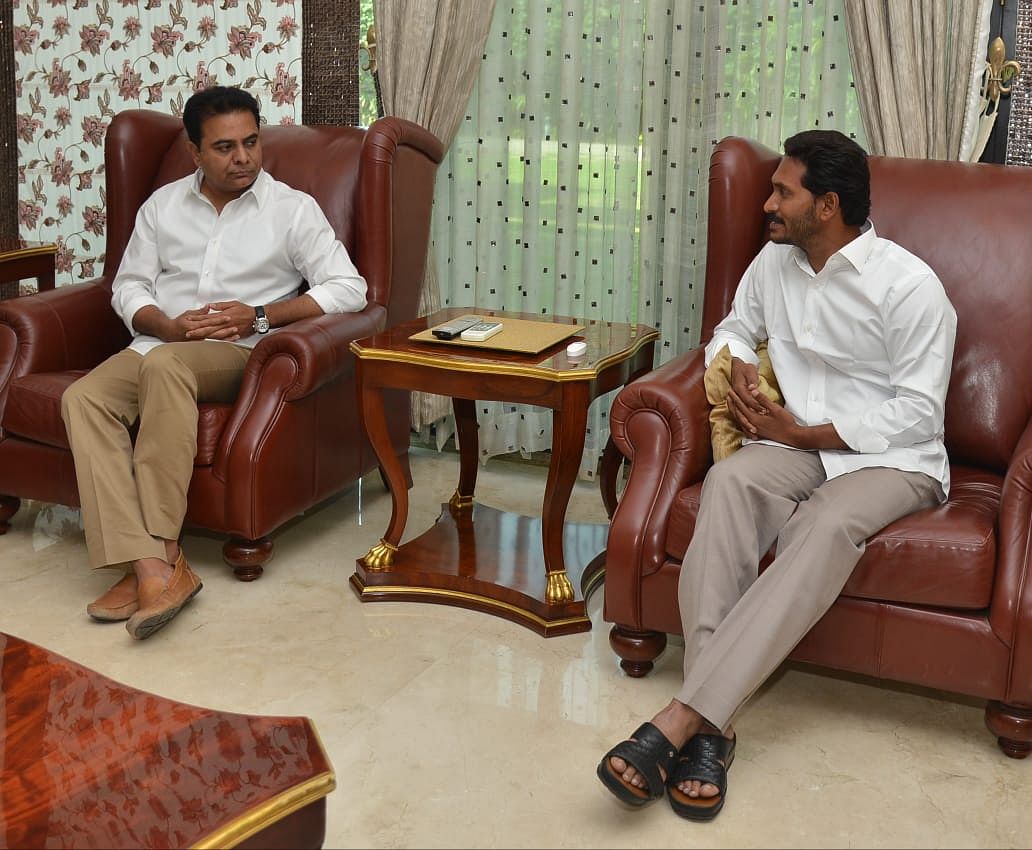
151, 567
171, 550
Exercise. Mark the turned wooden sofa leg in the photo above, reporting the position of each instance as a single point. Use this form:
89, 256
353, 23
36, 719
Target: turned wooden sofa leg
636, 650
247, 557
1012, 726
8, 508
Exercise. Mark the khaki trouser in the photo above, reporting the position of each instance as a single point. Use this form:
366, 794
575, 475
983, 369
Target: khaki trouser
133, 496
739, 627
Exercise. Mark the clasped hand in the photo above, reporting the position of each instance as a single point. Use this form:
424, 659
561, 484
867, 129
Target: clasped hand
223, 320
758, 416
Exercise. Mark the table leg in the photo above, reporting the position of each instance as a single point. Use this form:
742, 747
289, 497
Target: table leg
469, 447
374, 421
568, 427
45, 281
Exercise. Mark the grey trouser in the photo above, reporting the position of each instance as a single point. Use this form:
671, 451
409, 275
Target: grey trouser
133, 496
739, 627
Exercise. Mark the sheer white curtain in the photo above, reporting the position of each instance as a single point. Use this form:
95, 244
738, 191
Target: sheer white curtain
577, 180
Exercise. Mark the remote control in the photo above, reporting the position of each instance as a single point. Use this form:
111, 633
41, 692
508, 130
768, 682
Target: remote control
452, 329
481, 331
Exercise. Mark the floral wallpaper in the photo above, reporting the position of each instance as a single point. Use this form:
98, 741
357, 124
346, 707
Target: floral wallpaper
80, 62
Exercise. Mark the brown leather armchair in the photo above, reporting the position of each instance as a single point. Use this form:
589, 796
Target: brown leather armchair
942, 598
293, 438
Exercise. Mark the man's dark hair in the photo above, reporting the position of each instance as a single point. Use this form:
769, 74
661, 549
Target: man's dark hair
217, 100
834, 163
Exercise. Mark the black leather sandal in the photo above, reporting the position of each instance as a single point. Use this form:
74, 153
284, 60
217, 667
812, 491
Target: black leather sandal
649, 753
705, 758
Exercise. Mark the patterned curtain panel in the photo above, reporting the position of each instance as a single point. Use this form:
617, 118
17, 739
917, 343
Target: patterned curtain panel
78, 63
577, 183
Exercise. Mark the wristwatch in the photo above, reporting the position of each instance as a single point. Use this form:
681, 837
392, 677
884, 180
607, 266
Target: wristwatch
261, 322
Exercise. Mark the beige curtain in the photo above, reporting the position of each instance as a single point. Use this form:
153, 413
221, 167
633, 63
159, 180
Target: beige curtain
430, 52
917, 66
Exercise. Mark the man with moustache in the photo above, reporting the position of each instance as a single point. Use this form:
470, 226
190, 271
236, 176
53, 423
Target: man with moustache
860, 336
215, 261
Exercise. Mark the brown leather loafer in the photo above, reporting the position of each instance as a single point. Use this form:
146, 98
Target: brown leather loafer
155, 613
119, 603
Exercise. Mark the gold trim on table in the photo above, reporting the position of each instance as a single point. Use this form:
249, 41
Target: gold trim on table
271, 811
28, 251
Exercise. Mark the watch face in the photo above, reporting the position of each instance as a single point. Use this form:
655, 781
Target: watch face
261, 321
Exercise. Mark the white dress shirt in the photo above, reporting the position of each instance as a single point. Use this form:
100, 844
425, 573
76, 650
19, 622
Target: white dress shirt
865, 344
183, 254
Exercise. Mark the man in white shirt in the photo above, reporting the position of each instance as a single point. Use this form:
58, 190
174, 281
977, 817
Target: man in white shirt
860, 336
215, 261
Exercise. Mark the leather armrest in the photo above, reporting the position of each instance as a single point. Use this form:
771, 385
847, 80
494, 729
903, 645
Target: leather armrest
672, 400
287, 365
320, 346
660, 422
1010, 614
71, 327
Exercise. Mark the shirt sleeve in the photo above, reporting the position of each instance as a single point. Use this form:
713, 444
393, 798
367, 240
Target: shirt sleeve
134, 283
334, 282
744, 327
920, 331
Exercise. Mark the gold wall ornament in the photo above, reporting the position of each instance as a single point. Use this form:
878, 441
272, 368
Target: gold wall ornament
1000, 69
998, 72
369, 46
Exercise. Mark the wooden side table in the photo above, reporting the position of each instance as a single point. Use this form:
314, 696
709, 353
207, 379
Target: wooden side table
529, 570
20, 259
89, 762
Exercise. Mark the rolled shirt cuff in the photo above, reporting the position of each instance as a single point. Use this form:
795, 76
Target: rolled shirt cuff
735, 349
858, 436
133, 306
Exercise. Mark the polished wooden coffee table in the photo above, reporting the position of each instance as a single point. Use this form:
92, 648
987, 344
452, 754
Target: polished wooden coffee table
88, 762
527, 569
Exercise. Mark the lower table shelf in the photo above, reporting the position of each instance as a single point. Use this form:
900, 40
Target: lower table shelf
489, 560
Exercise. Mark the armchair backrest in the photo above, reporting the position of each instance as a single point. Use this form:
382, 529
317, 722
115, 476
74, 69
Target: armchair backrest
364, 180
966, 220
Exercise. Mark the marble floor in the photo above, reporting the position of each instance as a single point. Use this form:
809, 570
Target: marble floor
450, 728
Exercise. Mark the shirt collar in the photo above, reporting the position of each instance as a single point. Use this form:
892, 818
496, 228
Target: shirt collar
860, 248
259, 190
854, 252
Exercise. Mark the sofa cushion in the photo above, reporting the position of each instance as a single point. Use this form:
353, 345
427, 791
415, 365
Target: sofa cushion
942, 557
33, 408
33, 411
